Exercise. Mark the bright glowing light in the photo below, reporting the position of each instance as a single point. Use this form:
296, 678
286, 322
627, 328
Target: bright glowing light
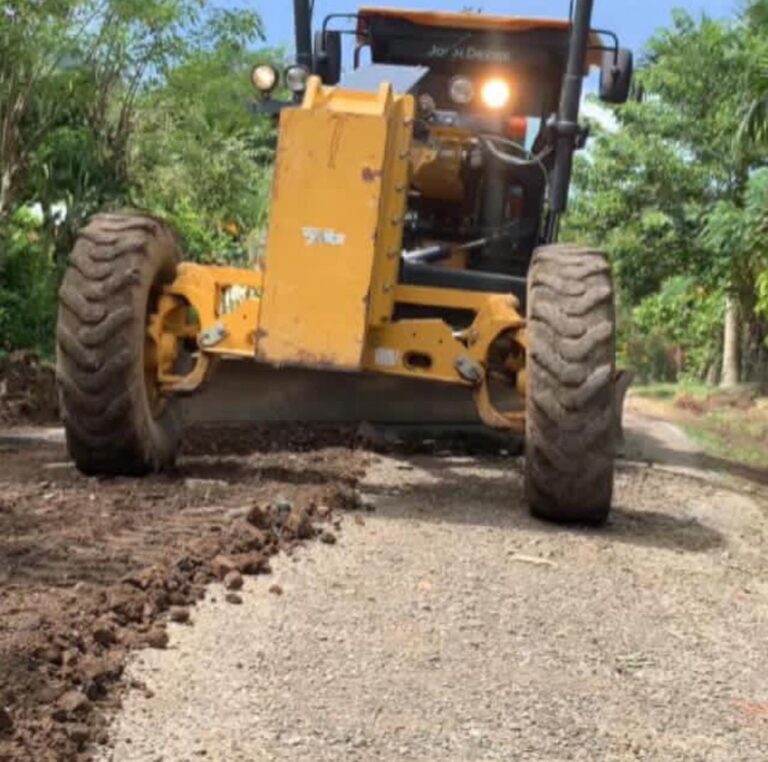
264, 77
496, 93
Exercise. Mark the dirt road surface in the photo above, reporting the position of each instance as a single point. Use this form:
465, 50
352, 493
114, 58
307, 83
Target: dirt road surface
448, 625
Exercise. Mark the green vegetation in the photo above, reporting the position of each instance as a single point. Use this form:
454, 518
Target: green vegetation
731, 425
732, 435
677, 196
115, 103
670, 391
122, 103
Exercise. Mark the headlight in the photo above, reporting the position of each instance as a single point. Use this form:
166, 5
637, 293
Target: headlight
427, 104
496, 93
264, 77
462, 90
296, 78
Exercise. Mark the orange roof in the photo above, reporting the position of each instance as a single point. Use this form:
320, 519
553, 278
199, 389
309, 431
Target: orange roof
466, 20
478, 21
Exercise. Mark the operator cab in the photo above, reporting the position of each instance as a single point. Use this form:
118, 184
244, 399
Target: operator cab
495, 127
486, 66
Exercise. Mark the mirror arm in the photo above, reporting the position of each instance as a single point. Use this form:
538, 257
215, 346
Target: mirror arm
614, 48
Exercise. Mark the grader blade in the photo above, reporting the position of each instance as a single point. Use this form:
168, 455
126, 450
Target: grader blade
248, 392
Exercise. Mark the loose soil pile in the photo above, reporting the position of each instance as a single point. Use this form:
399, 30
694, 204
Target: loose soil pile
27, 390
91, 569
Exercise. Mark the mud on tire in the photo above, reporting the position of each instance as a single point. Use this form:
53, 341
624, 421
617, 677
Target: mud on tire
570, 411
117, 267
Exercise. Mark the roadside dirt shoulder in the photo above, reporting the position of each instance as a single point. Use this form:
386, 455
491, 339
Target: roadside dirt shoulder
92, 569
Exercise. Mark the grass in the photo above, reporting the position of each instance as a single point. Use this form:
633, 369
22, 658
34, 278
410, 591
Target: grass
672, 391
732, 426
737, 435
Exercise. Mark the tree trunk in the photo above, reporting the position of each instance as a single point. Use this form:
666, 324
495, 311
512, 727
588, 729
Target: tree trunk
5, 191
731, 344
713, 374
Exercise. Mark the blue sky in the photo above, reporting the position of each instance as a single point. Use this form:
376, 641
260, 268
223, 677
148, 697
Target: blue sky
633, 20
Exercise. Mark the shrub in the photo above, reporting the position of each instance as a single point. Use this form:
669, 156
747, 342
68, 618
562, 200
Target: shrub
675, 334
28, 284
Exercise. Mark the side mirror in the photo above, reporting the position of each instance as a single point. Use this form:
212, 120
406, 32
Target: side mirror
328, 57
616, 76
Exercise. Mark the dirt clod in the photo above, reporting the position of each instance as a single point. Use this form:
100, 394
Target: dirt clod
105, 636
222, 565
276, 590
179, 614
6, 721
233, 580
146, 549
298, 524
78, 733
329, 538
260, 516
71, 703
251, 563
52, 654
234, 598
157, 638
102, 668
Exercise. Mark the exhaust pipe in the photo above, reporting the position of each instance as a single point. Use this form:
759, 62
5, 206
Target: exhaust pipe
302, 19
567, 124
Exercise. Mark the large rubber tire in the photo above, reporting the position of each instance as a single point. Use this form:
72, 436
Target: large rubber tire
570, 410
114, 425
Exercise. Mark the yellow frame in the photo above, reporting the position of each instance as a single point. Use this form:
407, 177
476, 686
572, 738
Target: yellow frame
327, 296
236, 334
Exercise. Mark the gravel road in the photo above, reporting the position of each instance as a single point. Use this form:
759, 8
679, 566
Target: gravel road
447, 625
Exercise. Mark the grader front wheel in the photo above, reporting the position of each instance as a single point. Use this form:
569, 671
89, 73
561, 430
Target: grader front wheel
570, 409
116, 422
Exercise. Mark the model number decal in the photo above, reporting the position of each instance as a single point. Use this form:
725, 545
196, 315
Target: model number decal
315, 236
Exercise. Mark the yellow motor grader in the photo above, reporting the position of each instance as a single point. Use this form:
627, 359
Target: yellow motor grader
411, 269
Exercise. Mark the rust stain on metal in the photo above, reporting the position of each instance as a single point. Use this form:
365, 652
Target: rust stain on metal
313, 361
371, 175
338, 130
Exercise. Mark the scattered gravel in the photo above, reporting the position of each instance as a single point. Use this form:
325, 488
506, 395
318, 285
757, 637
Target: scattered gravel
450, 626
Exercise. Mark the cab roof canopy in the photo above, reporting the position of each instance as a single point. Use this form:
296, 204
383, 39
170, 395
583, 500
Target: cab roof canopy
375, 23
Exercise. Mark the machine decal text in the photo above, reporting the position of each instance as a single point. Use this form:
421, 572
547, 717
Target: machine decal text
314, 236
470, 53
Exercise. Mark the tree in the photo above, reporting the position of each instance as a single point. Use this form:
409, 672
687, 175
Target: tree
199, 157
666, 194
83, 83
69, 79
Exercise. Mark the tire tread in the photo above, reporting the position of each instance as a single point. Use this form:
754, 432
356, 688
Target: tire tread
102, 316
571, 367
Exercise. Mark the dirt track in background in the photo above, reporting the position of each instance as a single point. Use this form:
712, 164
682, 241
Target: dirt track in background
444, 625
